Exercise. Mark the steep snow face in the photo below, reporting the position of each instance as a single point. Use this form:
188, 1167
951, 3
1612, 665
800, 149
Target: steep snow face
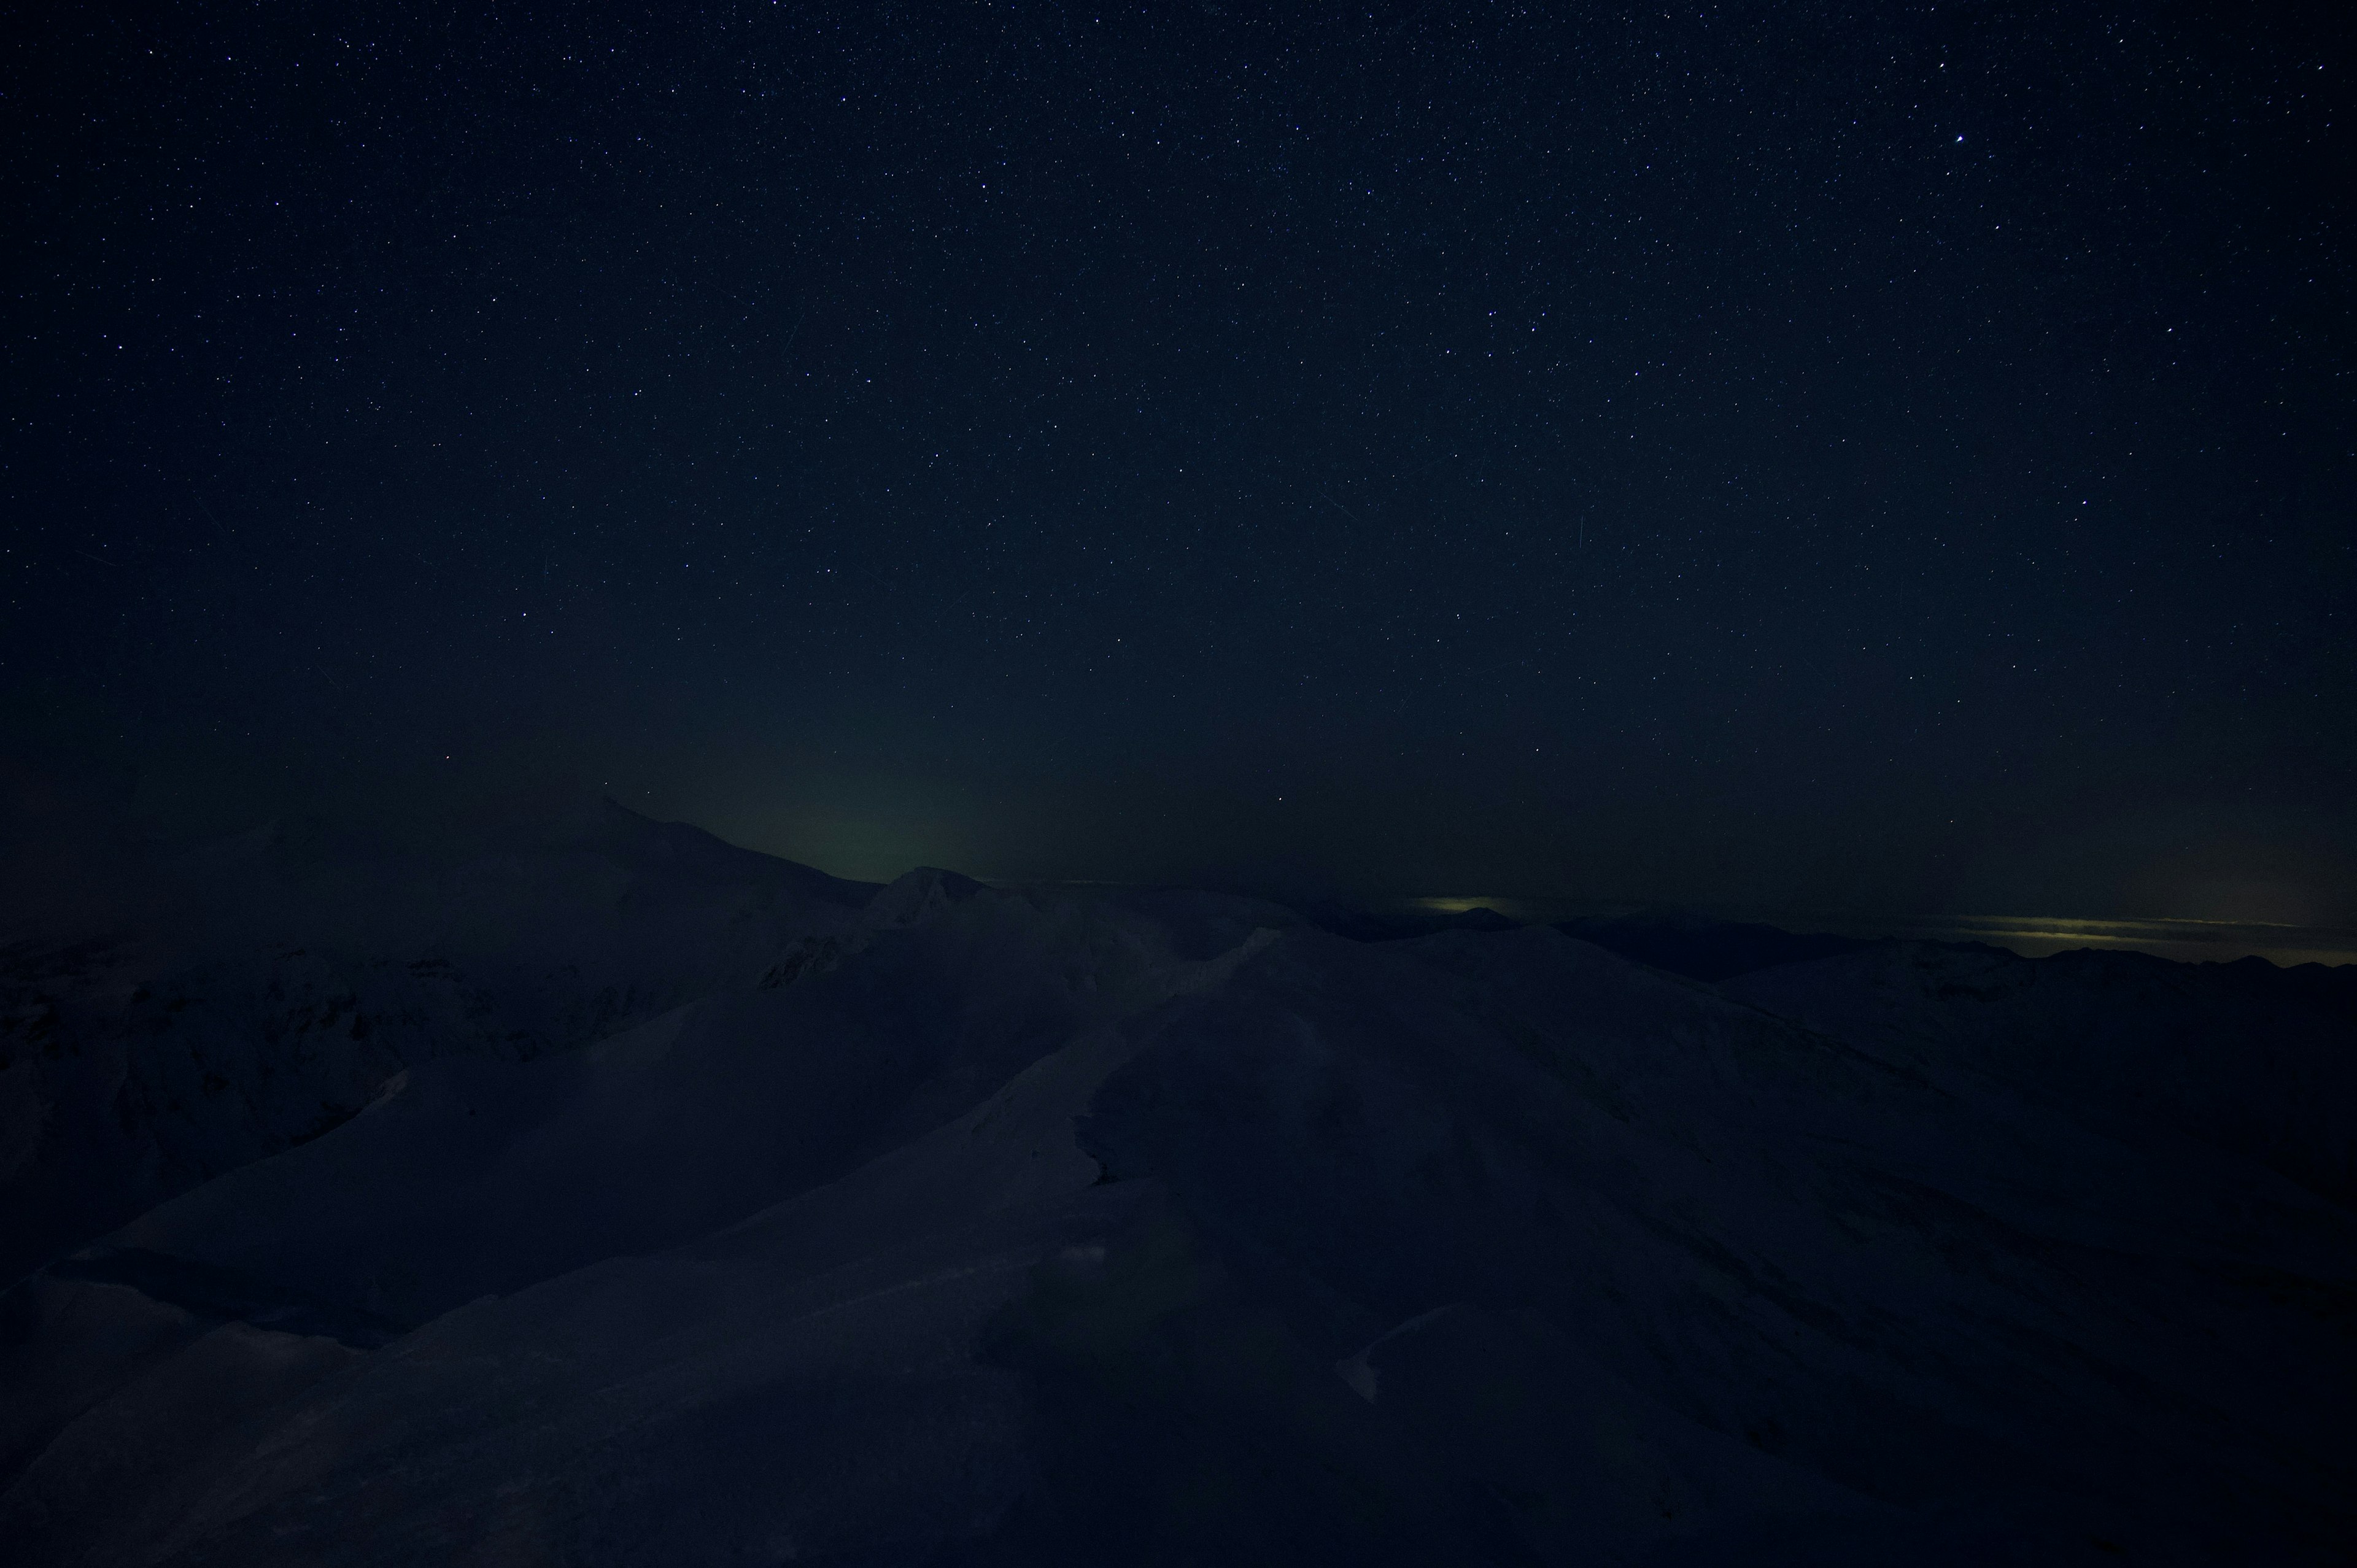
471, 1177
275, 985
1048, 1227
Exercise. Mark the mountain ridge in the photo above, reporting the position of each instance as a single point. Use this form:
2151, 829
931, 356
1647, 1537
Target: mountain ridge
1042, 1224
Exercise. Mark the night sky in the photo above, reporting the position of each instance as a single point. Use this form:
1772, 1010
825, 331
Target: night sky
1896, 459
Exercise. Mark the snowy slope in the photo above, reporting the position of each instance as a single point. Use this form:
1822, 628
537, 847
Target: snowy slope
270, 987
1011, 1227
2256, 1061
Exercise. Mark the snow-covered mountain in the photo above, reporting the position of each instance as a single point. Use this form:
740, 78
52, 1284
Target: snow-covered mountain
965, 1225
2254, 1060
260, 992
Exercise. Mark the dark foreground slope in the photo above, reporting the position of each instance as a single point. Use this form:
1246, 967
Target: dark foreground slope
1008, 1228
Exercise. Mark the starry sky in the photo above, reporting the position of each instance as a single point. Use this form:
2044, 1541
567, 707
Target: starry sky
1894, 458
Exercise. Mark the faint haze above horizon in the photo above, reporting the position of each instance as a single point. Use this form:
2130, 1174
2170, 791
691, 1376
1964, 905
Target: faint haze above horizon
63, 856
2032, 936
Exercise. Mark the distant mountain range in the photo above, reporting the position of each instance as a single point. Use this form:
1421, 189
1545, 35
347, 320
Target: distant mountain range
601, 1193
1694, 946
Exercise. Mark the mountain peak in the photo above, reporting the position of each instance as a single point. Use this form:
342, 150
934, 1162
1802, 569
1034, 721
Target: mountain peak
916, 893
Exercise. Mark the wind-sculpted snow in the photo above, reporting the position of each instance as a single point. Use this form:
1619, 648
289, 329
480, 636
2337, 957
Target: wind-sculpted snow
470, 1177
270, 987
1047, 1227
